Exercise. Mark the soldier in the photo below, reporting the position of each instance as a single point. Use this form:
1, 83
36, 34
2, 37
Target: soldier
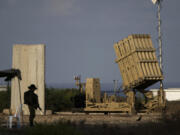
31, 99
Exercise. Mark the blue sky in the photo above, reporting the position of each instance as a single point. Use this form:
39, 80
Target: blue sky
79, 34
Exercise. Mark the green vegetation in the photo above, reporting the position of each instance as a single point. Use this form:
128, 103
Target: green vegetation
66, 99
63, 99
173, 107
4, 100
56, 99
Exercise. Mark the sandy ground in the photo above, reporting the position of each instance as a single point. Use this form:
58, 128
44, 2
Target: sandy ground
90, 119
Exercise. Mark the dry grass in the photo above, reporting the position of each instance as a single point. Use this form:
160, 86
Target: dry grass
168, 125
173, 107
165, 127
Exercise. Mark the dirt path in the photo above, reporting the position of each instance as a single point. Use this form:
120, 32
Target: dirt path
91, 119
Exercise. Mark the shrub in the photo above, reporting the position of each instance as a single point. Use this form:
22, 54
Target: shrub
4, 100
55, 100
63, 99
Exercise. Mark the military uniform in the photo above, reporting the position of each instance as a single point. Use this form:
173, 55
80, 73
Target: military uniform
31, 99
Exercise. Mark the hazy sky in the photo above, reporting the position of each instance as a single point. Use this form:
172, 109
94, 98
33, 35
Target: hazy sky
79, 34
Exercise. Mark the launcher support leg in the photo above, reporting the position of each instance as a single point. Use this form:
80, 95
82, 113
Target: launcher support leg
162, 99
131, 100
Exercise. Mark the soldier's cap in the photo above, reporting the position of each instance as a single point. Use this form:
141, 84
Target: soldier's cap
32, 86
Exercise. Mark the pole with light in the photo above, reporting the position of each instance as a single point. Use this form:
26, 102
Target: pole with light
161, 91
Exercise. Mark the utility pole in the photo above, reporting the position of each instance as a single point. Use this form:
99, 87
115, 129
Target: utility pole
115, 86
161, 90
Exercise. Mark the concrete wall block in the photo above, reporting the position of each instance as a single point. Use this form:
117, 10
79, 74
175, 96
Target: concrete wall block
30, 59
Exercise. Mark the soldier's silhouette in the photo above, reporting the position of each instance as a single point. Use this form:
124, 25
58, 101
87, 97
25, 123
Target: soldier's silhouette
31, 99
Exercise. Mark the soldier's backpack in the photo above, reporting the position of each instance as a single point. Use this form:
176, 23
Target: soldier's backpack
27, 98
